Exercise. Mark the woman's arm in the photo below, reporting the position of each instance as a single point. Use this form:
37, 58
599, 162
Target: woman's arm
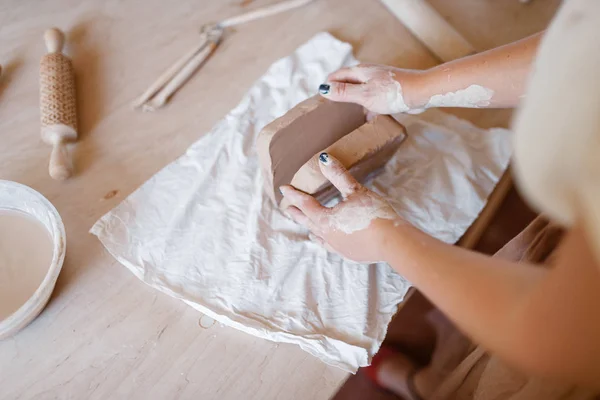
544, 321
493, 79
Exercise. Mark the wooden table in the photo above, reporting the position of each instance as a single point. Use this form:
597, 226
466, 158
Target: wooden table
104, 333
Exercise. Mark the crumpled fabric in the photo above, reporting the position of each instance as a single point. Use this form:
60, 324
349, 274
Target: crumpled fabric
204, 231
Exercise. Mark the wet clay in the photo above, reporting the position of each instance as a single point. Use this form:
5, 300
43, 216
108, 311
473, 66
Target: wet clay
364, 152
288, 148
26, 251
288, 142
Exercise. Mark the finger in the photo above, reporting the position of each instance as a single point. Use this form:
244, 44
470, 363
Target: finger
350, 75
304, 202
344, 92
302, 219
358, 74
338, 175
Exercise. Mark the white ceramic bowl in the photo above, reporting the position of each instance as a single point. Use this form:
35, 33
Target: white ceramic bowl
17, 197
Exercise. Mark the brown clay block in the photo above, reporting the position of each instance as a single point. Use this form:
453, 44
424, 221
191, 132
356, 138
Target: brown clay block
364, 151
289, 142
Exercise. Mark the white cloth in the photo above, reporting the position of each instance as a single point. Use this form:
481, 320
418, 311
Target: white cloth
202, 229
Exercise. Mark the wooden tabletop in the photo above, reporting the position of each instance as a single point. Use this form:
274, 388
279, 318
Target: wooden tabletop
105, 334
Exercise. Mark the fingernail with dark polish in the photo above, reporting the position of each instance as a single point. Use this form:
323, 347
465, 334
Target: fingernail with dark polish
324, 88
324, 158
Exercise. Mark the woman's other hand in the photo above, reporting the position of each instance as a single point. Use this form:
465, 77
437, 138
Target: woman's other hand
353, 227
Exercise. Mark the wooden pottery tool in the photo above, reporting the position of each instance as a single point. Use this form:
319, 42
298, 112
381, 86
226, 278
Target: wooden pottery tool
181, 71
57, 104
173, 78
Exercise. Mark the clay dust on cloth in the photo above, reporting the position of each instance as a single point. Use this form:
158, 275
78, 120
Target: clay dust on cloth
202, 229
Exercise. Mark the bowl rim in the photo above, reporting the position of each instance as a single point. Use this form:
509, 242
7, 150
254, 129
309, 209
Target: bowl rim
29, 310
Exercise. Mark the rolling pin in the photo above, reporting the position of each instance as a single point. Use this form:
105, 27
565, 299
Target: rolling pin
57, 104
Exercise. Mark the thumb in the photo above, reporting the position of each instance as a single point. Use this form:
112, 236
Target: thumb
338, 175
344, 92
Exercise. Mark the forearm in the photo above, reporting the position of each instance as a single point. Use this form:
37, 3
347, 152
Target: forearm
510, 308
493, 79
481, 294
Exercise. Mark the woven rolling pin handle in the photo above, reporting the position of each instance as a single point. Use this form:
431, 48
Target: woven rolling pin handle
57, 104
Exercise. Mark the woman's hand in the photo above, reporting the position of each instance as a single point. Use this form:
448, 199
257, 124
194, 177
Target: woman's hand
380, 89
353, 227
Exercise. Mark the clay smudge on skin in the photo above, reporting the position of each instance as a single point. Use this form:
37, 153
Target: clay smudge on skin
474, 96
350, 219
396, 97
396, 100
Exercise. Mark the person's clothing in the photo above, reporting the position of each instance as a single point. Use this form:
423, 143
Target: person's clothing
465, 371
